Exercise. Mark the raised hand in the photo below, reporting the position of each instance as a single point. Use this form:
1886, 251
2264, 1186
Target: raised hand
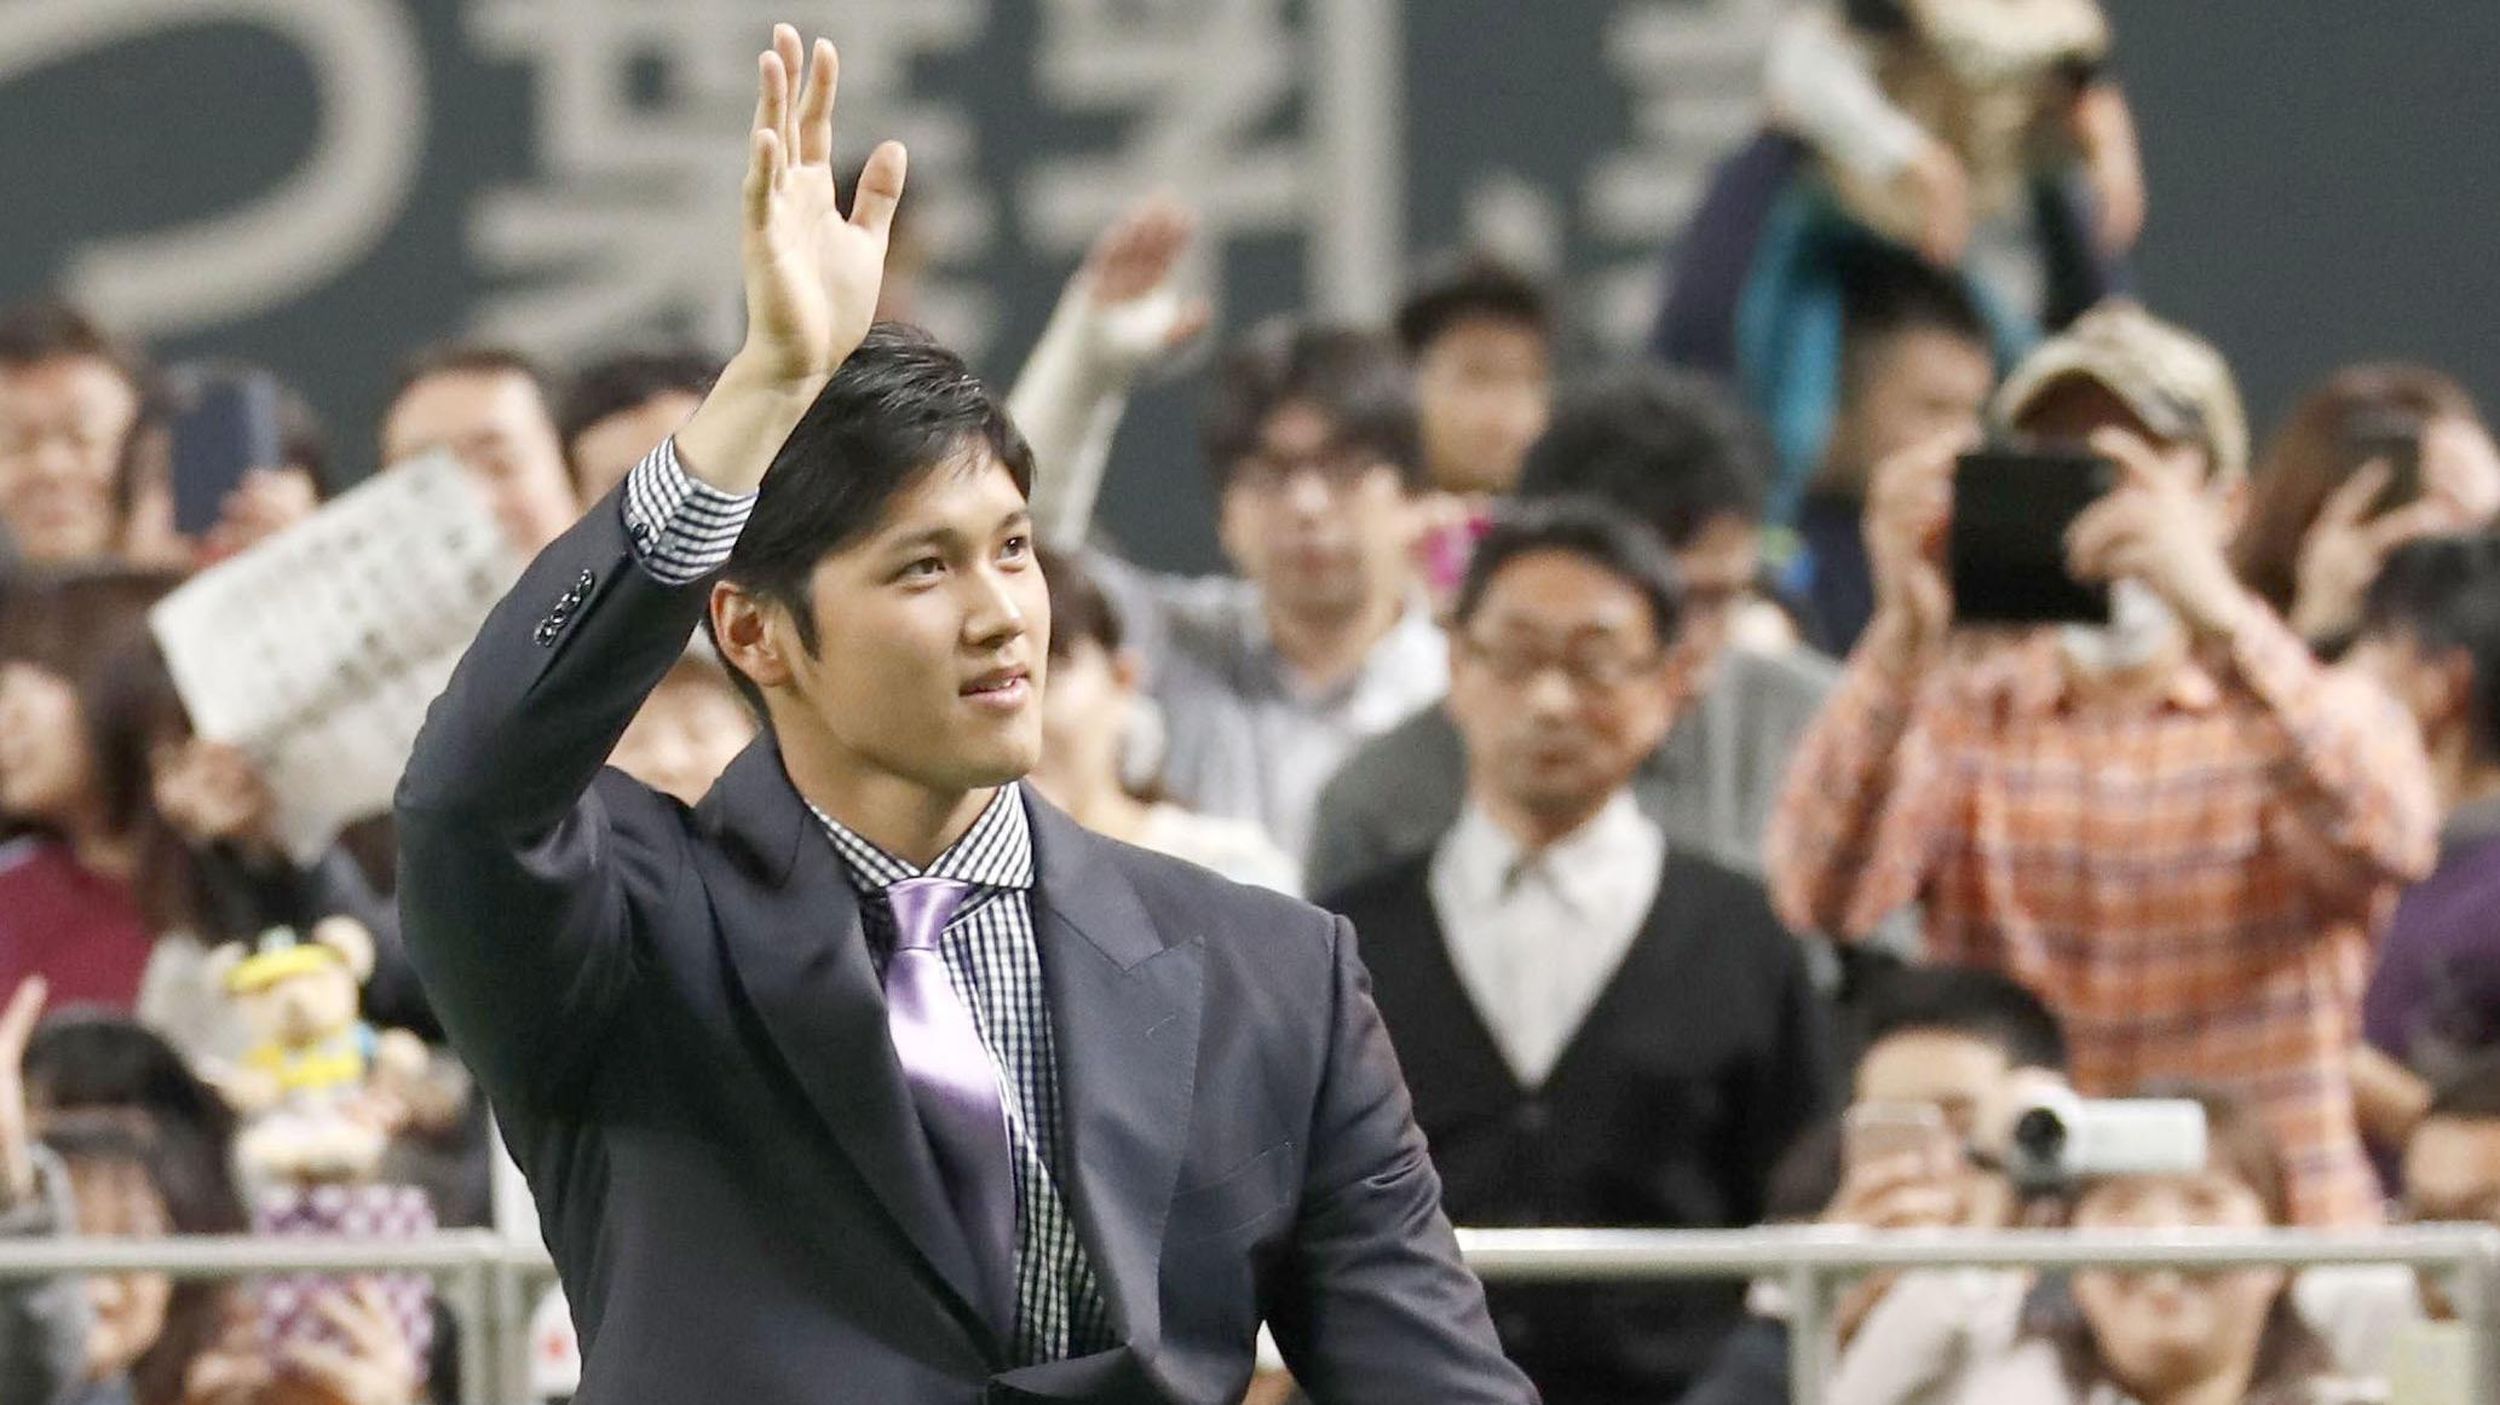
17, 1026
812, 273
1909, 504
1129, 282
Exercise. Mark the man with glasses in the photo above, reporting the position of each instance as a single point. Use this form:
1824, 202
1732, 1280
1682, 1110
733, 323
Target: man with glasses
1597, 1026
1266, 682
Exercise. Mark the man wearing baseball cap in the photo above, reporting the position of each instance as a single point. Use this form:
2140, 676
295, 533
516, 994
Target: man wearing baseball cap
2177, 827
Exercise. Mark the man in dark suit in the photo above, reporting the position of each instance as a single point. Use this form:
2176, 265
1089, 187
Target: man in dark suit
873, 1078
1599, 1028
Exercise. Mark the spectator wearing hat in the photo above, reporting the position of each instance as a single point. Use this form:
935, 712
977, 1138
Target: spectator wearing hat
2177, 828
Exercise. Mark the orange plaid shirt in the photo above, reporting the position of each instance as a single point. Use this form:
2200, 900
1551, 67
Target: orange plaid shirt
2191, 880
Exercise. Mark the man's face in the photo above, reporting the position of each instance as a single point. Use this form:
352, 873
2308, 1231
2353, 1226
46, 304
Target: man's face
1718, 569
2071, 411
606, 450
1560, 685
932, 634
1910, 388
497, 425
1964, 1079
1483, 389
1324, 527
2452, 1176
62, 423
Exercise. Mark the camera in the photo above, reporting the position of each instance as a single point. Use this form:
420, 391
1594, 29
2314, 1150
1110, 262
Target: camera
2060, 1139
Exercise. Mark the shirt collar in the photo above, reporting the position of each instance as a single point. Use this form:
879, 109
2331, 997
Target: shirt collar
997, 852
2030, 675
1490, 863
1407, 655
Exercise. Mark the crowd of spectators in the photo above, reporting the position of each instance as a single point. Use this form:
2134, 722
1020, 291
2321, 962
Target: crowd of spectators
1710, 871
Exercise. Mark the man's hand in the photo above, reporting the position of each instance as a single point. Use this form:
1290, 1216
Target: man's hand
1908, 506
2160, 526
17, 1026
812, 274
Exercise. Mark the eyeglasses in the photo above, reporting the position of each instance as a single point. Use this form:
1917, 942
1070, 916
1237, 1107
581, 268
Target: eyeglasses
1588, 667
1339, 467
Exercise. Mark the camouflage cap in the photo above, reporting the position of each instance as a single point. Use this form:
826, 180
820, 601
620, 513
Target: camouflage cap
2171, 379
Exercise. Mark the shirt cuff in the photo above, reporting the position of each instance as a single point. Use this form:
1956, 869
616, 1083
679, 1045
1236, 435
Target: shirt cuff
682, 529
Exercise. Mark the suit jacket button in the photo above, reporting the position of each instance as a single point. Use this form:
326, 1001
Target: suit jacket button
585, 581
546, 632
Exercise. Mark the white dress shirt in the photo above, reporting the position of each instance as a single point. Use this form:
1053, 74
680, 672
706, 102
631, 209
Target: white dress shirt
1536, 936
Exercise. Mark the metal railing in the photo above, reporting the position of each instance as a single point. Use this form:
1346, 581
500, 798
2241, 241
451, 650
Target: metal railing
489, 1281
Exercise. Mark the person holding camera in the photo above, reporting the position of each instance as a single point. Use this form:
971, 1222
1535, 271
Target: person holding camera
2175, 826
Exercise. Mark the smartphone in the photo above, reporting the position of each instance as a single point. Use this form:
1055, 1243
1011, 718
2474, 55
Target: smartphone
1878, 1131
228, 428
2006, 550
2392, 437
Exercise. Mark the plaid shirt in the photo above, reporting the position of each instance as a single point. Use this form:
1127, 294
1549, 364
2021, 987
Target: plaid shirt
2192, 881
683, 530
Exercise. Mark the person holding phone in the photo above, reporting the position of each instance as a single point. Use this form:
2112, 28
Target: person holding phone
2174, 825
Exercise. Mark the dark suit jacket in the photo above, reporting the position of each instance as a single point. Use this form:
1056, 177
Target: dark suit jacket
1701, 1060
679, 1023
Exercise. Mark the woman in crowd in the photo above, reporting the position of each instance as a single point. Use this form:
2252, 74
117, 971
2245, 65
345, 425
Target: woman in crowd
2105, 1337
86, 830
2331, 496
1091, 716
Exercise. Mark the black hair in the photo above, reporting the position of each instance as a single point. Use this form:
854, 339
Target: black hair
1588, 529
1886, 291
1477, 286
2471, 1093
1965, 1001
1355, 378
1676, 450
1078, 608
901, 408
2444, 592
98, 1063
49, 329
624, 382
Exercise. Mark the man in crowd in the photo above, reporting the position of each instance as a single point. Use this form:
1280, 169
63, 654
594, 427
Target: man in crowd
490, 408
1916, 364
2176, 827
2452, 1160
1268, 680
618, 410
1598, 1027
2431, 636
1673, 453
69, 394
1480, 337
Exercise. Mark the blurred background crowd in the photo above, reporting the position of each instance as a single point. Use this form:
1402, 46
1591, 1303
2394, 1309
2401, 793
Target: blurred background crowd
1606, 648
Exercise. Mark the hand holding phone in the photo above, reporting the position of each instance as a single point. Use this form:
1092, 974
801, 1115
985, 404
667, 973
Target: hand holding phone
228, 428
2006, 552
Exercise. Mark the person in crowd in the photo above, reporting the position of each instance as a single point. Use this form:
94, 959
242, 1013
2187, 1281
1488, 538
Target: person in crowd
2430, 634
269, 498
2452, 1162
1672, 452
617, 410
1598, 1027
2177, 827
69, 394
1958, 1043
1480, 336
493, 410
1089, 720
2331, 499
689, 730
1268, 680
70, 902
2155, 1337
1915, 364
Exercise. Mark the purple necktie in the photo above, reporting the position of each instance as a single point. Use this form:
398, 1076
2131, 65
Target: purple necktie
954, 1085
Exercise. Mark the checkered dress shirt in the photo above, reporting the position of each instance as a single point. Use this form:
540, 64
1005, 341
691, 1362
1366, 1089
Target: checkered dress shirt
683, 530
2192, 881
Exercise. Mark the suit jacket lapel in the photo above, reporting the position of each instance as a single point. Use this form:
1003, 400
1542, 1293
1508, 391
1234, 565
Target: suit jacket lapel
1125, 1002
801, 957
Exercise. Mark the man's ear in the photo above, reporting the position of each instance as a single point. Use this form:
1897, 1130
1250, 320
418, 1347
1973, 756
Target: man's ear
743, 627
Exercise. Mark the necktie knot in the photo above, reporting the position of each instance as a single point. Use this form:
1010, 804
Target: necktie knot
922, 908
